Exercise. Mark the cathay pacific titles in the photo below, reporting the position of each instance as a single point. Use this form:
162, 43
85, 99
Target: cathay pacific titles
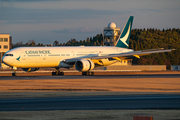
38, 52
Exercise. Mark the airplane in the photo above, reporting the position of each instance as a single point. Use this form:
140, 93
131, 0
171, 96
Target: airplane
83, 58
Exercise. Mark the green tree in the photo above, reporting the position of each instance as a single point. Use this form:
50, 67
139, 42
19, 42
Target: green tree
56, 43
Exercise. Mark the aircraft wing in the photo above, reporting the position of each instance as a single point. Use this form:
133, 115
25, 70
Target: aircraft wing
132, 54
119, 56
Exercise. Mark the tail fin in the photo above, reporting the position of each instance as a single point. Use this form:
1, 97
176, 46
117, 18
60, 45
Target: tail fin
123, 40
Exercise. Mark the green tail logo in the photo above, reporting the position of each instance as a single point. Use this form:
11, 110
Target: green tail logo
124, 38
18, 58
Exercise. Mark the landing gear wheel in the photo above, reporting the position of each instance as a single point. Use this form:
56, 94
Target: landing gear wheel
88, 73
58, 73
14, 74
84, 73
92, 73
53, 73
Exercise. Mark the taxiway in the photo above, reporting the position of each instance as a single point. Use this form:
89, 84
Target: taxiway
117, 102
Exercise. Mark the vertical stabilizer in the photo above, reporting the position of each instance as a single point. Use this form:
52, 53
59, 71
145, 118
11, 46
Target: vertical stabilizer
123, 40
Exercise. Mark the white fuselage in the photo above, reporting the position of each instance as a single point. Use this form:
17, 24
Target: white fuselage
29, 57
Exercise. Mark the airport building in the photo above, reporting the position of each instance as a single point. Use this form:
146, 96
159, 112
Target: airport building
5, 45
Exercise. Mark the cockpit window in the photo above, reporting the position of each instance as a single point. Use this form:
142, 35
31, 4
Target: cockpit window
9, 55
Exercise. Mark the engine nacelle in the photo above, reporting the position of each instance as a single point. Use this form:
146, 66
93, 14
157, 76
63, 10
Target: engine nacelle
30, 69
84, 65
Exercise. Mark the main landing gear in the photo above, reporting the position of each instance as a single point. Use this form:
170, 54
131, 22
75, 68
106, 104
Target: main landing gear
88, 73
57, 72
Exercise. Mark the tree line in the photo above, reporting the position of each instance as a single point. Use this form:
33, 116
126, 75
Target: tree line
140, 39
155, 38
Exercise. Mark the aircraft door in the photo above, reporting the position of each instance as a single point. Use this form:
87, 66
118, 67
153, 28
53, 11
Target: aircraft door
23, 56
72, 54
44, 57
41, 60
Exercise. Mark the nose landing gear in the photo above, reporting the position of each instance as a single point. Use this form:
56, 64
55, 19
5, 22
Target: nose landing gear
14, 71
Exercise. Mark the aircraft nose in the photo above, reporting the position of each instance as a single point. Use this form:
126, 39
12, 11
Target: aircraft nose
6, 60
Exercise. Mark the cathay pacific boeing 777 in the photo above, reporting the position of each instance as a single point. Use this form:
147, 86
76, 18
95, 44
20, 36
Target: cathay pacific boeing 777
83, 58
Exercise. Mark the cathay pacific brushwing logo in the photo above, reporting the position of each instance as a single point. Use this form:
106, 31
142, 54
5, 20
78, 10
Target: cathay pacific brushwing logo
124, 39
18, 58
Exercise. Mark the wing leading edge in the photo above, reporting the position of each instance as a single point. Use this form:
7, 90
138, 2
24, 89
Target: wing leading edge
131, 54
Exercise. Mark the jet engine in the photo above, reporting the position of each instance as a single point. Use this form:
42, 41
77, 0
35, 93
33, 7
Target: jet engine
84, 65
30, 69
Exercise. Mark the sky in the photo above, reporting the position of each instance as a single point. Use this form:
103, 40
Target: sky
48, 20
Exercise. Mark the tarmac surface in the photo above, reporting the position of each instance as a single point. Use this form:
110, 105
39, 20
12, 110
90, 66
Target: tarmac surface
117, 102
106, 95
